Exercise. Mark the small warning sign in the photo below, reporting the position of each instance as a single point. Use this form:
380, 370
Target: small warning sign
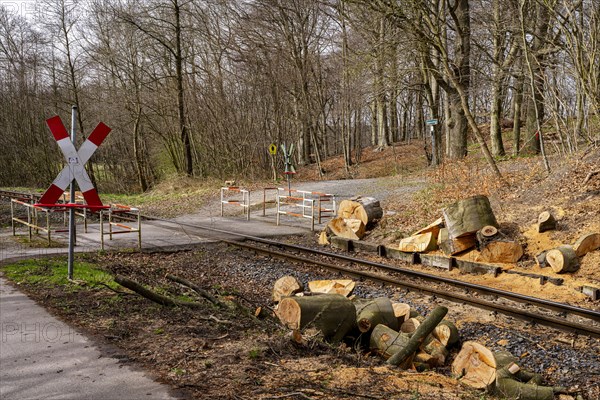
272, 149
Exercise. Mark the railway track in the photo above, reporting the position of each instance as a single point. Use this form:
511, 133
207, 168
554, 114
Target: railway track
545, 312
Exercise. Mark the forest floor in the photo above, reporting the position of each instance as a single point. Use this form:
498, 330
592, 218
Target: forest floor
227, 353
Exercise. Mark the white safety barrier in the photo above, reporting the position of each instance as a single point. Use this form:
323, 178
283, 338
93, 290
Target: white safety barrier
117, 215
311, 203
244, 202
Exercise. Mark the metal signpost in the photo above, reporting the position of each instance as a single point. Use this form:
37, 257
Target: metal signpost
289, 165
432, 123
74, 170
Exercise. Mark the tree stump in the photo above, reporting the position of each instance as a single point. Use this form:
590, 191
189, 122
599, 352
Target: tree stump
387, 341
418, 243
286, 286
476, 366
546, 222
469, 215
563, 259
486, 235
366, 209
370, 313
586, 243
347, 228
332, 314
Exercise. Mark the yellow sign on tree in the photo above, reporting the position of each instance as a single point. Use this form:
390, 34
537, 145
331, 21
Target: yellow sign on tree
273, 149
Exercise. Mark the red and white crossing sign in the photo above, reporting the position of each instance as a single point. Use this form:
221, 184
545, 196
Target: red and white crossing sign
76, 160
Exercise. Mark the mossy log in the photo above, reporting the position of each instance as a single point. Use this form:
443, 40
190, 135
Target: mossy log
563, 259
286, 286
417, 338
332, 314
469, 215
546, 222
586, 243
370, 313
418, 243
153, 296
386, 341
366, 209
508, 386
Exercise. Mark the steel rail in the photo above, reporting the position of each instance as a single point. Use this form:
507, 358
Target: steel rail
519, 313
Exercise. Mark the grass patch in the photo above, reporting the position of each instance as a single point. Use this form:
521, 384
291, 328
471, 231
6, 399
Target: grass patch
53, 272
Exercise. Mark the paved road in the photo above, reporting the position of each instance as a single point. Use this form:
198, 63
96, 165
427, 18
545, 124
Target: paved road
43, 358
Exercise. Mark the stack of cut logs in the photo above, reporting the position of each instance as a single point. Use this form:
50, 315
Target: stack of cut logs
466, 224
564, 258
400, 335
353, 219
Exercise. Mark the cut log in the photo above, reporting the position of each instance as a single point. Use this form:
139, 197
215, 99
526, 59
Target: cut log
411, 324
475, 365
323, 239
370, 313
446, 332
586, 243
452, 247
332, 314
419, 243
501, 252
366, 209
286, 286
443, 235
433, 319
508, 386
386, 341
546, 222
401, 312
347, 228
468, 216
486, 235
563, 259
434, 228
337, 286
436, 350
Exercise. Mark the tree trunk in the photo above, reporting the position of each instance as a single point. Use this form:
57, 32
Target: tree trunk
469, 215
501, 252
332, 314
475, 365
286, 286
546, 222
432, 320
371, 313
586, 243
563, 259
418, 243
446, 332
387, 341
349, 228
366, 209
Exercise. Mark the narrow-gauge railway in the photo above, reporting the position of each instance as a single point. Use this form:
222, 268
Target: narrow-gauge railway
554, 314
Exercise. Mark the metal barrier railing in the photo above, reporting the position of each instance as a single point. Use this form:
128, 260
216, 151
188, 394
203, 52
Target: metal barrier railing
325, 202
265, 201
244, 202
303, 202
32, 219
117, 214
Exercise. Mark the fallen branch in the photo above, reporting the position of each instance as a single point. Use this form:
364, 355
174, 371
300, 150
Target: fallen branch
196, 289
153, 296
589, 176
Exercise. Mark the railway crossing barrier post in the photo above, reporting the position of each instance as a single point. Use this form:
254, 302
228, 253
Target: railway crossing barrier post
244, 202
